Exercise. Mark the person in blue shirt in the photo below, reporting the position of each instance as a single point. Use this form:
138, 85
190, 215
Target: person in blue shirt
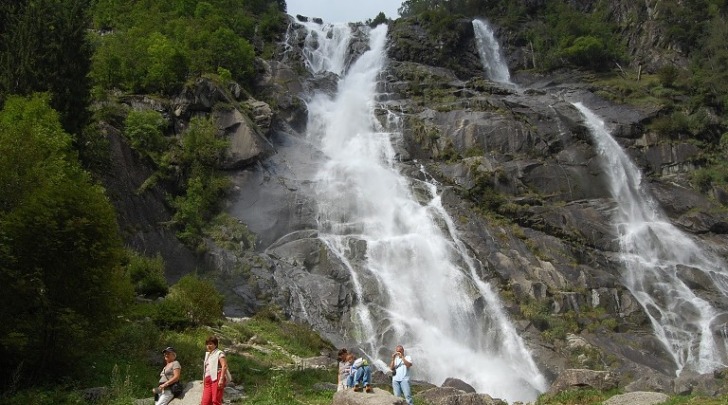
400, 367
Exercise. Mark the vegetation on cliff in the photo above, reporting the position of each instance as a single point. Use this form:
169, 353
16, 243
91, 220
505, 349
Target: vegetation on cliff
68, 282
670, 54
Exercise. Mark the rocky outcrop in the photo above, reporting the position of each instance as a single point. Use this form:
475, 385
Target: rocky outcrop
518, 170
453, 396
247, 144
452, 46
637, 398
141, 209
581, 378
376, 397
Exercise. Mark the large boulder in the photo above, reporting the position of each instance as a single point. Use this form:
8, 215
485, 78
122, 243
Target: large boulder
583, 378
376, 397
638, 398
458, 384
453, 396
247, 144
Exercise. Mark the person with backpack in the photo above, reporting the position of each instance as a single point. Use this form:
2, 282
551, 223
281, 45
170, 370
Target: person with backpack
215, 375
400, 366
169, 378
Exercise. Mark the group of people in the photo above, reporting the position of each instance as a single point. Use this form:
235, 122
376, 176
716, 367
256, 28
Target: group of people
215, 376
355, 373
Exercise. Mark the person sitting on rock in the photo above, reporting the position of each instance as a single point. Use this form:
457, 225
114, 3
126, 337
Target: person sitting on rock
343, 369
348, 363
360, 375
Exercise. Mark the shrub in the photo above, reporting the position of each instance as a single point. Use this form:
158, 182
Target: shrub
667, 75
144, 131
147, 275
195, 300
674, 126
702, 179
587, 51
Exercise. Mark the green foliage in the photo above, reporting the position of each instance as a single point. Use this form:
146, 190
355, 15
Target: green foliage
147, 275
43, 48
709, 59
201, 153
144, 131
538, 312
674, 126
668, 74
194, 300
569, 36
298, 339
381, 18
120, 390
230, 233
58, 236
587, 51
153, 46
484, 192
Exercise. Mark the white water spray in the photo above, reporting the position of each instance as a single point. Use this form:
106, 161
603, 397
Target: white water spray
658, 258
326, 46
490, 53
414, 281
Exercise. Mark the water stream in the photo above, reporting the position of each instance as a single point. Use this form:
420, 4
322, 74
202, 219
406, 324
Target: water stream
663, 267
415, 283
490, 53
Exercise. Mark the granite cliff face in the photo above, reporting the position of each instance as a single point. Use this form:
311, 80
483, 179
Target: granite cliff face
518, 171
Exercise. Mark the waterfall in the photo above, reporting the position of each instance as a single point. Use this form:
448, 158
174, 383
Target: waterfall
490, 53
415, 283
658, 258
325, 47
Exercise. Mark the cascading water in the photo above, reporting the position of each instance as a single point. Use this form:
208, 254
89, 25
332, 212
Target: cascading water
658, 257
415, 283
490, 53
326, 46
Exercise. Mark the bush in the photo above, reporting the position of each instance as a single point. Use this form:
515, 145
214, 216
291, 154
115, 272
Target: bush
587, 51
674, 126
667, 75
702, 179
144, 131
192, 302
147, 275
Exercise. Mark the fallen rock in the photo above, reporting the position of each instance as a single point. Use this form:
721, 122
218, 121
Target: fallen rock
637, 398
583, 378
458, 384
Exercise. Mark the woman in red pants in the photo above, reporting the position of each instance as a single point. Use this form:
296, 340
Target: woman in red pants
215, 371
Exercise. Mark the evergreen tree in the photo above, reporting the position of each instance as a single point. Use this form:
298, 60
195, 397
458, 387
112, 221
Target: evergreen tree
43, 48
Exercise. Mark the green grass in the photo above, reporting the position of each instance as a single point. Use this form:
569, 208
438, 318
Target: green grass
265, 366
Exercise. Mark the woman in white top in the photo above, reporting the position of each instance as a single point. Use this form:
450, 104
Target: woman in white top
169, 375
215, 372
